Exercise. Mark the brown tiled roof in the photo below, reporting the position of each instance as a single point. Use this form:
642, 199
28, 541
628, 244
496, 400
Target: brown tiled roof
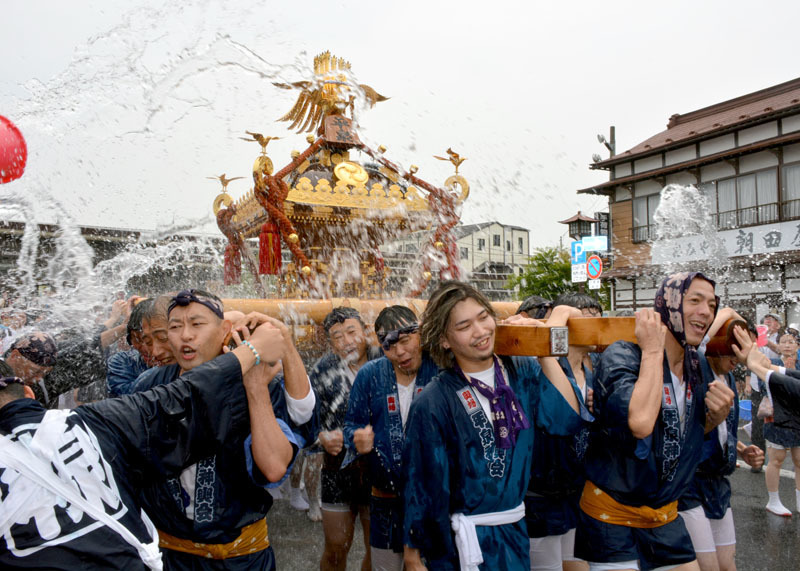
576, 217
605, 187
719, 117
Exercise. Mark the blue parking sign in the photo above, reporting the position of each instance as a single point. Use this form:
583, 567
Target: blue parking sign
577, 253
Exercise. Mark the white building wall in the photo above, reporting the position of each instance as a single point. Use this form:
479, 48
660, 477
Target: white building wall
622, 169
684, 178
647, 164
791, 153
758, 133
680, 155
790, 124
647, 187
717, 145
757, 161
622, 193
715, 171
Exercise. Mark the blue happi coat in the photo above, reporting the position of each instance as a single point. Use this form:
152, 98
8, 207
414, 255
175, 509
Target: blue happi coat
557, 473
453, 465
711, 487
374, 400
627, 468
230, 492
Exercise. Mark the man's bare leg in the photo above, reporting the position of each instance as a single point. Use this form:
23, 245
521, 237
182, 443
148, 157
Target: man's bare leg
363, 514
338, 527
311, 474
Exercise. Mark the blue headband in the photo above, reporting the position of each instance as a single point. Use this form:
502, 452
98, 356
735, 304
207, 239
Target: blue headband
188, 296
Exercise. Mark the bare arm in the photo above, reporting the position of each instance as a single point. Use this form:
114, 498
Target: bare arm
645, 402
719, 400
412, 559
750, 356
723, 315
294, 372
272, 451
550, 366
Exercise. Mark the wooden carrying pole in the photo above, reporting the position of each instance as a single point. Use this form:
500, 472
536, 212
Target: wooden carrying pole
510, 339
535, 341
305, 310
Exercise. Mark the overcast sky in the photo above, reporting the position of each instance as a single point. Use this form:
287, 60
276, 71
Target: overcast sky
128, 105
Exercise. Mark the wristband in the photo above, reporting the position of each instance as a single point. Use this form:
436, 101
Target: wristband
253, 349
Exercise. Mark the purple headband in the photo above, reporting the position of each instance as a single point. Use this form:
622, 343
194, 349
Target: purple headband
188, 296
38, 348
6, 381
669, 304
669, 301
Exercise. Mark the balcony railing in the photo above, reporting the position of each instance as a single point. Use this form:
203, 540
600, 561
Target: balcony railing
643, 233
790, 210
751, 216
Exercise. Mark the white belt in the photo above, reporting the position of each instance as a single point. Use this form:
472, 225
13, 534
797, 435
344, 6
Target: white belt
469, 549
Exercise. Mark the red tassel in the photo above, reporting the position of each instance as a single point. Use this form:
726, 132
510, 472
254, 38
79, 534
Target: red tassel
232, 270
452, 260
269, 250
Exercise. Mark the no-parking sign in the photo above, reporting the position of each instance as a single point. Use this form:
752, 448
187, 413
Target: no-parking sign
594, 267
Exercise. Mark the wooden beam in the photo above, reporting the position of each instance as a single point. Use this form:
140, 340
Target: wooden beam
535, 341
305, 310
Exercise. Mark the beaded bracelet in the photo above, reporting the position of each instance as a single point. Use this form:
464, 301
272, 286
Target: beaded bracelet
253, 349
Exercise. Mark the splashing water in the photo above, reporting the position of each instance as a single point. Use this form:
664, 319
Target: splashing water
683, 211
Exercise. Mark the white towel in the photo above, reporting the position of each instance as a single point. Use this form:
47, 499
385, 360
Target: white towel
469, 549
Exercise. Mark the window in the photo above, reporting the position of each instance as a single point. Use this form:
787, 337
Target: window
496, 240
745, 200
643, 209
791, 192
508, 245
464, 253
520, 270
481, 244
519, 245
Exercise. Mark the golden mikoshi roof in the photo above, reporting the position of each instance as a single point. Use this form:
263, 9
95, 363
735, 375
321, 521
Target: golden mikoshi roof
329, 179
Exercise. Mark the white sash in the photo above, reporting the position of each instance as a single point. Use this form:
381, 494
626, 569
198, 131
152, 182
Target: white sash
36, 462
469, 549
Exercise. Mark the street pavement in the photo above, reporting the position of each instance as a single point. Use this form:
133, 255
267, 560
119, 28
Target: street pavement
763, 540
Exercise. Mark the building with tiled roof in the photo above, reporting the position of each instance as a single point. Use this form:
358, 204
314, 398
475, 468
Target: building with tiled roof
489, 252
743, 155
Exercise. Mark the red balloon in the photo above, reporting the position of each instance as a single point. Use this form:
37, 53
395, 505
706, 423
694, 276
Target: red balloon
13, 151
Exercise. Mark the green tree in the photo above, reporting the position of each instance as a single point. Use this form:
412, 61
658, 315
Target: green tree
549, 274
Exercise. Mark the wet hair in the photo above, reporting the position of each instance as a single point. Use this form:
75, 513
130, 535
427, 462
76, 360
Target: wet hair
436, 318
340, 315
578, 300
791, 335
5, 369
11, 391
184, 297
135, 319
394, 317
751, 327
535, 306
156, 309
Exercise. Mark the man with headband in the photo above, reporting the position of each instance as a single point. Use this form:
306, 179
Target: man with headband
70, 479
376, 416
212, 516
469, 442
653, 404
345, 492
32, 357
124, 367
